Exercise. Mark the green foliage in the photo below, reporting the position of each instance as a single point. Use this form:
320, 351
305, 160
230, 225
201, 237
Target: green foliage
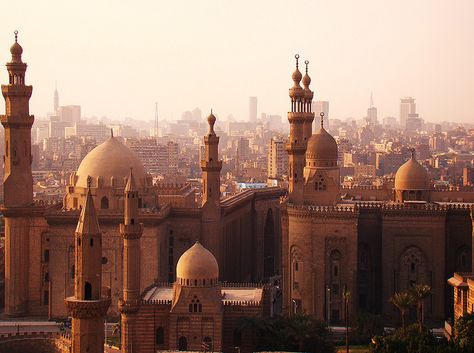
464, 333
410, 340
296, 333
365, 326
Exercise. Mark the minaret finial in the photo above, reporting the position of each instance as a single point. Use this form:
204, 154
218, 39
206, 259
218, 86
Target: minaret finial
412, 151
297, 56
16, 35
322, 119
306, 62
111, 132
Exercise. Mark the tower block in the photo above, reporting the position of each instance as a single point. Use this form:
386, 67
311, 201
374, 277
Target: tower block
131, 232
17, 183
88, 308
296, 146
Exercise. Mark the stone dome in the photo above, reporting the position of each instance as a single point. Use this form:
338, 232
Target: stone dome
16, 49
322, 146
412, 176
197, 265
110, 159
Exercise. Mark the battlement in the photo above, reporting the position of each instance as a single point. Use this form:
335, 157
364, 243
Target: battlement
241, 303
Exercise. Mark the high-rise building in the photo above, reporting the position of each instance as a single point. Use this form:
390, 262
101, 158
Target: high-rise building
69, 113
55, 100
407, 107
253, 109
277, 159
372, 113
321, 107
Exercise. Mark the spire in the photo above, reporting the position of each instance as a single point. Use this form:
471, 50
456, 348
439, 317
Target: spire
306, 78
322, 119
131, 185
297, 74
88, 223
371, 100
111, 132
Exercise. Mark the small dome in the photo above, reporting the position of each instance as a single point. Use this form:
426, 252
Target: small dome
110, 159
197, 263
322, 146
16, 49
306, 80
297, 77
412, 176
211, 119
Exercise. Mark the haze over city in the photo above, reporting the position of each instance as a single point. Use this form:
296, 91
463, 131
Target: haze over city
116, 59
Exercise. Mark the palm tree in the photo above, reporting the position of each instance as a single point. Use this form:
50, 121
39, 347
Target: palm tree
347, 297
419, 293
402, 300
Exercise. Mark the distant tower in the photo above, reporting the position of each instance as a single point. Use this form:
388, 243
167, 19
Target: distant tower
17, 183
211, 166
156, 120
307, 105
87, 307
131, 232
372, 118
298, 117
56, 99
253, 109
407, 107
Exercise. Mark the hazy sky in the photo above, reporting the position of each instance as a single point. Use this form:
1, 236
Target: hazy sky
117, 58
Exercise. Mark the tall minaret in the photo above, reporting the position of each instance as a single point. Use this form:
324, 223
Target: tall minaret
56, 99
131, 232
17, 183
211, 175
211, 166
307, 105
296, 146
88, 308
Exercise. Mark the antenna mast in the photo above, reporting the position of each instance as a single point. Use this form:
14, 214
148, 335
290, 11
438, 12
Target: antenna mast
156, 120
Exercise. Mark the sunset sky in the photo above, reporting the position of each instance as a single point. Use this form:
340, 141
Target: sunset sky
116, 58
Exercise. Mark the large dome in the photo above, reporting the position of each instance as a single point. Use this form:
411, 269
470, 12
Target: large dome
110, 159
197, 264
412, 176
322, 147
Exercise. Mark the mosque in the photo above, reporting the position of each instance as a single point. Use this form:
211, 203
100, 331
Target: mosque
181, 277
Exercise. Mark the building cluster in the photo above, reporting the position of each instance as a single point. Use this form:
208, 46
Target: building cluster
131, 239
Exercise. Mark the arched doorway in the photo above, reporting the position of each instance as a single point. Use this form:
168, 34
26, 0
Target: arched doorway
183, 344
104, 203
269, 245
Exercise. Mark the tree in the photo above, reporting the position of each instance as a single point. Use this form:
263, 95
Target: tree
419, 293
463, 333
402, 300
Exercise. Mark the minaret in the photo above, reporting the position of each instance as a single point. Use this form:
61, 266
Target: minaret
307, 105
56, 99
17, 182
87, 307
131, 232
211, 174
296, 145
211, 166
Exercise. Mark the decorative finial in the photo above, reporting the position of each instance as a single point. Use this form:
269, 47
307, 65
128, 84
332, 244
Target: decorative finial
412, 151
322, 119
16, 35
306, 62
111, 132
89, 181
297, 56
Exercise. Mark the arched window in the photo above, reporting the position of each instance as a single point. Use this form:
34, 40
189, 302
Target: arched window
320, 184
413, 269
87, 291
160, 335
104, 203
183, 344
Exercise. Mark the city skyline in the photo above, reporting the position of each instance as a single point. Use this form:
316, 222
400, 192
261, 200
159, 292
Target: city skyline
184, 55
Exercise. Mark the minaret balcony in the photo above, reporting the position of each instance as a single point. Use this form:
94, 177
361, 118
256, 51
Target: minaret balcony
87, 309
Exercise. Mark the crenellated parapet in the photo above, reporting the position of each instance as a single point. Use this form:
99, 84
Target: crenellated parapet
310, 211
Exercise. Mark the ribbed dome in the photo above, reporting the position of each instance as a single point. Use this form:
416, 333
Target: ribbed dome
197, 263
412, 176
110, 159
322, 146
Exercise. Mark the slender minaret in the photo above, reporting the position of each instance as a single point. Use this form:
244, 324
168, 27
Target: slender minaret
307, 105
56, 99
131, 232
17, 183
211, 166
211, 181
296, 146
87, 307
